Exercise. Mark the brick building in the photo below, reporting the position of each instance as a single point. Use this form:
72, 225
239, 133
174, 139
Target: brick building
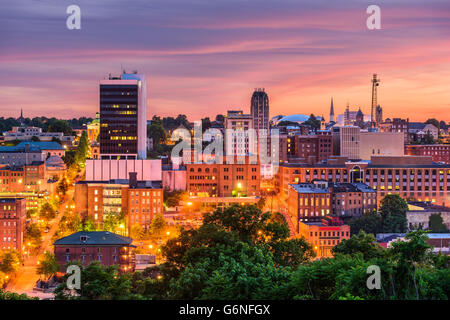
396, 125
12, 223
324, 235
105, 247
137, 201
306, 148
438, 152
26, 178
412, 177
316, 200
223, 180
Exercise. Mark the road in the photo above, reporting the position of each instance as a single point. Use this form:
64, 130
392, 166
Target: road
26, 276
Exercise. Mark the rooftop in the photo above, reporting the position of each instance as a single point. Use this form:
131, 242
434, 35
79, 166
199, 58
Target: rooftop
140, 184
9, 200
94, 238
43, 145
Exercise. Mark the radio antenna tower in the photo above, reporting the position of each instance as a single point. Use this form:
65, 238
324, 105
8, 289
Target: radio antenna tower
375, 84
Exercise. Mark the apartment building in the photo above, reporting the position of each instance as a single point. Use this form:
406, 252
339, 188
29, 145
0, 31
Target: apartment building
12, 223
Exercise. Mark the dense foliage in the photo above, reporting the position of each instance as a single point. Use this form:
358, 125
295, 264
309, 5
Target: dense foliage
242, 253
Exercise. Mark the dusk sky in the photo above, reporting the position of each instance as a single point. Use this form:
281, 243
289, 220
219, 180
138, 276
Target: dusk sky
203, 57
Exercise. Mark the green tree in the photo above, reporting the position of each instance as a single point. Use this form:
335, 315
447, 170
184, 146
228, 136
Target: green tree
113, 222
33, 235
5, 295
10, 261
245, 221
313, 122
48, 265
47, 212
63, 186
410, 254
82, 150
156, 131
87, 225
69, 158
362, 243
137, 232
369, 222
393, 211
60, 126
32, 213
157, 224
239, 272
70, 222
98, 282
436, 223
172, 198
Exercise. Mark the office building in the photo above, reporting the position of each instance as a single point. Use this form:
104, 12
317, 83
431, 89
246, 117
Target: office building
411, 177
123, 117
136, 201
259, 109
239, 136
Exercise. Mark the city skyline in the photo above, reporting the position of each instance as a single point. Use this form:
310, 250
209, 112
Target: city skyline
198, 57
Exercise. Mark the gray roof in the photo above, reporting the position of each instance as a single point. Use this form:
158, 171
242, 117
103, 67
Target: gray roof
94, 238
43, 145
308, 188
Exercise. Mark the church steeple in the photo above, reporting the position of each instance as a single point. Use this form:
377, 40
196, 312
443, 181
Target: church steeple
21, 117
332, 111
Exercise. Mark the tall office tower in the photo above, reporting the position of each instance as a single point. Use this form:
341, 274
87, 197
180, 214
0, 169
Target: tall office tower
259, 109
375, 84
123, 117
239, 137
332, 111
378, 115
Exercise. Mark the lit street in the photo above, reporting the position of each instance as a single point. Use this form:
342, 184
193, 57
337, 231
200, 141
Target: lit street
26, 276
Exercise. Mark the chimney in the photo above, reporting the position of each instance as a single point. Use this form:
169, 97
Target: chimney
27, 147
133, 179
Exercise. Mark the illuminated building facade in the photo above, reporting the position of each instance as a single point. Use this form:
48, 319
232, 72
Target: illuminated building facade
123, 117
105, 247
12, 223
223, 180
324, 235
136, 201
412, 177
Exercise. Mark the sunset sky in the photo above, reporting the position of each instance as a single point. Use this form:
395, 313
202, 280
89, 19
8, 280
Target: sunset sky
203, 57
